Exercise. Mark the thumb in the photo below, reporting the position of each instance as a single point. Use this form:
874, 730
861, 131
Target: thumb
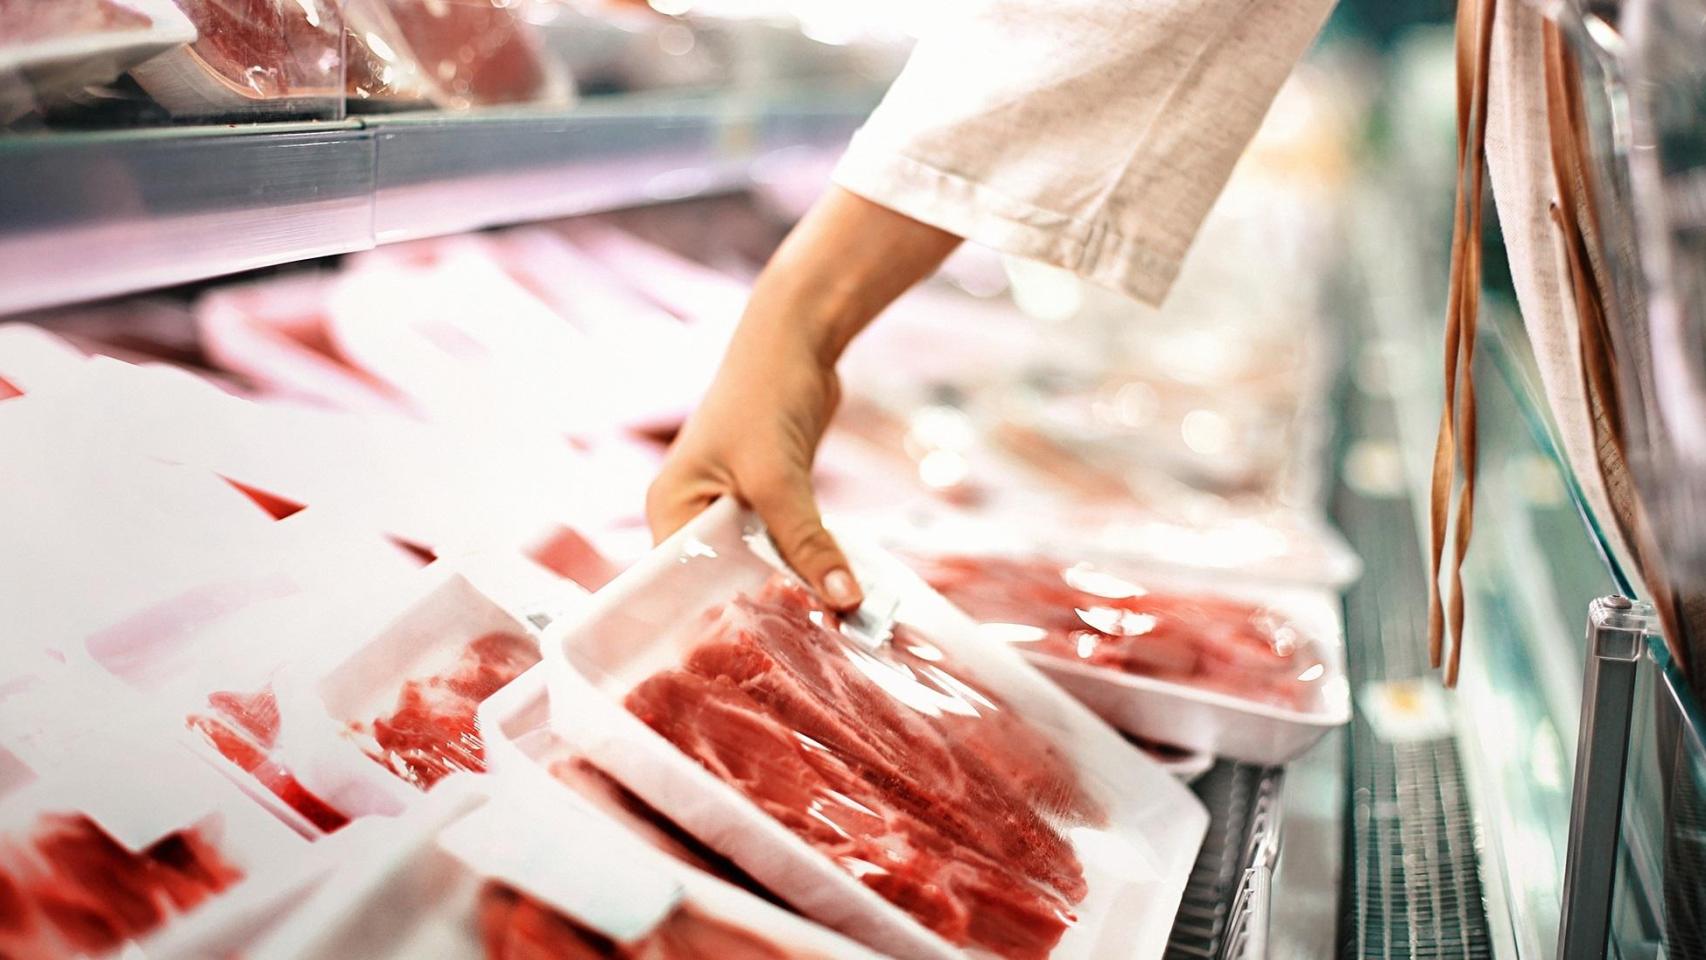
789, 511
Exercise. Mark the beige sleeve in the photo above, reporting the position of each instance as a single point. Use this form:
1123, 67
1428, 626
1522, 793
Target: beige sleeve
1090, 134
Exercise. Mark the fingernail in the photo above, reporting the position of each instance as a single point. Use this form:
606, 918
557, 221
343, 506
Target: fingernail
840, 590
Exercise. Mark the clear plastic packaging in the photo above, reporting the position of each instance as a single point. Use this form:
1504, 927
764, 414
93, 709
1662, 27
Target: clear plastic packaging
466, 343
928, 796
50, 50
253, 59
1254, 673
275, 334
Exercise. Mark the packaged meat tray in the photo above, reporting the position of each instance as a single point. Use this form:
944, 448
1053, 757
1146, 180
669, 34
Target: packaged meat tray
52, 49
275, 334
929, 794
498, 868
251, 59
456, 54
410, 697
88, 870
1253, 673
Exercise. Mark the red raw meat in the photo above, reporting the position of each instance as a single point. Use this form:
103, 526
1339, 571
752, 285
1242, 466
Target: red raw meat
475, 51
27, 21
514, 926
1081, 614
924, 787
269, 49
244, 728
434, 730
95, 894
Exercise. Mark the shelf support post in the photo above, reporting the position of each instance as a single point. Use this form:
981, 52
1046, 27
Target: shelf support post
1617, 628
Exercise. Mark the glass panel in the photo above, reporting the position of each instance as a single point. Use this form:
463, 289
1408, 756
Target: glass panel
1660, 905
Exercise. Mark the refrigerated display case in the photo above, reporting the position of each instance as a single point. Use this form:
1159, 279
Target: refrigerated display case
1436, 823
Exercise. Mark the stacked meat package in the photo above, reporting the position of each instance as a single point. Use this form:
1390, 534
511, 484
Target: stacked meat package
335, 629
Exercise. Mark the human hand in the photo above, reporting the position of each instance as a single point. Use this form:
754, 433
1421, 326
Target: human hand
754, 435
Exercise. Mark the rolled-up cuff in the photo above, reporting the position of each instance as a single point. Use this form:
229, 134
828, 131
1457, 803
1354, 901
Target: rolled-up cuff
984, 215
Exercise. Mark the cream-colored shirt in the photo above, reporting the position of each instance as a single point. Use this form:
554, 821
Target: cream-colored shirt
1093, 135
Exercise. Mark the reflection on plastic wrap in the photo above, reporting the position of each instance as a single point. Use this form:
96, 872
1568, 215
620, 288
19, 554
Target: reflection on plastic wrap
1081, 613
433, 730
457, 53
72, 890
272, 57
917, 783
244, 728
514, 926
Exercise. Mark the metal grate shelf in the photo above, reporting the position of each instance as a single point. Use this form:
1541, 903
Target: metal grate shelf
1224, 913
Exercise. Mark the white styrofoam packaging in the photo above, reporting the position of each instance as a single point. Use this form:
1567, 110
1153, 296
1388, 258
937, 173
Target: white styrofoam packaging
412, 887
180, 793
1135, 856
57, 64
427, 639
1177, 713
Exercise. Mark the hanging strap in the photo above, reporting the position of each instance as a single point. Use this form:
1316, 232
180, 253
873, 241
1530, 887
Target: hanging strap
1454, 448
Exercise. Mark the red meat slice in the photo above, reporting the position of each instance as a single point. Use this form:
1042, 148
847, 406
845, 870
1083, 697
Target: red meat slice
244, 728
434, 729
514, 926
96, 894
478, 51
269, 49
1212, 643
918, 783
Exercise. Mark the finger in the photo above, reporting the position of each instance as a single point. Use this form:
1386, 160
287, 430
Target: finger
786, 506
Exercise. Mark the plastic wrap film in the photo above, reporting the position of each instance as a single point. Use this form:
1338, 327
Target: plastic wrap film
1252, 672
51, 53
927, 794
432, 732
253, 59
455, 53
1079, 612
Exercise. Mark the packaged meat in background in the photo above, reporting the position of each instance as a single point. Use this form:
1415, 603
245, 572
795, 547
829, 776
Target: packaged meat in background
410, 696
52, 51
516, 723
274, 334
927, 793
88, 869
94, 534
692, 291
1254, 673
517, 868
253, 59
455, 53
467, 344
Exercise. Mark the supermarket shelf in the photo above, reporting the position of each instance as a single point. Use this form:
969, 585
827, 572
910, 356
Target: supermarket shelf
90, 215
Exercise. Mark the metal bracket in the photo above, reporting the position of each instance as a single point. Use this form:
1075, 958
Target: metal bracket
1617, 628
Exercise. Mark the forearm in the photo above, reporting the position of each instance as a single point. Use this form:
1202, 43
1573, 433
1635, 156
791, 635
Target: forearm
845, 261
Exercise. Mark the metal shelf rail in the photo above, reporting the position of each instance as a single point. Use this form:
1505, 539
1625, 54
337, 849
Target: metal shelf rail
90, 215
